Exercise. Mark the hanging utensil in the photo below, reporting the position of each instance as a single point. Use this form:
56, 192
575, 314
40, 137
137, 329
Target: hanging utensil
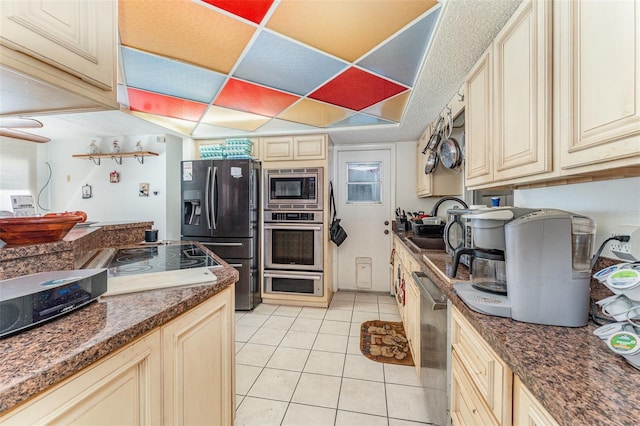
451, 154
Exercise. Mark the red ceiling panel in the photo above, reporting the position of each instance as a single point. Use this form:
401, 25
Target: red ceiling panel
252, 10
249, 97
168, 106
356, 89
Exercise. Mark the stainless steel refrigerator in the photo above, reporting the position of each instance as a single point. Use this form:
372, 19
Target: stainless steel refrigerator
220, 210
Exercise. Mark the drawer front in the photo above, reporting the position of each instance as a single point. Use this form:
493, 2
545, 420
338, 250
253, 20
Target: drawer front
490, 375
467, 406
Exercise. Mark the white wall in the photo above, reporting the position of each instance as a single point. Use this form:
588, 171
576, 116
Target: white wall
609, 203
19, 162
113, 201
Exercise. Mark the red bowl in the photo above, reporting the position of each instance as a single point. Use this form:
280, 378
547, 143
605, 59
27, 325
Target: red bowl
18, 231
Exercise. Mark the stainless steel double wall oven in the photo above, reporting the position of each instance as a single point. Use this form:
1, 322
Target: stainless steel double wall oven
293, 231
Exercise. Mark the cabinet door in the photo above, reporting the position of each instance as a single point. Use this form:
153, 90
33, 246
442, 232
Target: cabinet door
423, 181
522, 93
413, 321
467, 406
312, 147
123, 389
492, 378
199, 364
526, 408
599, 85
277, 148
478, 119
76, 36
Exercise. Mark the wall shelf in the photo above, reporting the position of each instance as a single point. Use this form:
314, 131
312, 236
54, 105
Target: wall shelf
117, 156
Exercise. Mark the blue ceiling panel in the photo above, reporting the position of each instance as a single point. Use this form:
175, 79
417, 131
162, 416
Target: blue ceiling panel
361, 120
282, 64
169, 77
400, 58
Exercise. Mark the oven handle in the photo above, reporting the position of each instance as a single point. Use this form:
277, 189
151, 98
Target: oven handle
292, 226
311, 276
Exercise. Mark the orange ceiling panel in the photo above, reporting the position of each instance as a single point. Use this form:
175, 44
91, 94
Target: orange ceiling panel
345, 28
184, 30
315, 113
234, 119
241, 95
390, 109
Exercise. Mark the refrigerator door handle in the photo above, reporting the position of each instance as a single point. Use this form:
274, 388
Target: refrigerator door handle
214, 198
207, 203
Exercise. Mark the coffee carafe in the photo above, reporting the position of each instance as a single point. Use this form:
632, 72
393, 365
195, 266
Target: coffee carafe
487, 268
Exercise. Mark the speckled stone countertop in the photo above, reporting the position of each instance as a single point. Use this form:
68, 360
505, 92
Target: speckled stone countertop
35, 359
570, 371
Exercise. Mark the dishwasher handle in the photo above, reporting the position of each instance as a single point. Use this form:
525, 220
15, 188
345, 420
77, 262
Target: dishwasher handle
433, 294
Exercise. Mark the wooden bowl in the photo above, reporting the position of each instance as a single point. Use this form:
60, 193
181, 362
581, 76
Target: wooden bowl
18, 231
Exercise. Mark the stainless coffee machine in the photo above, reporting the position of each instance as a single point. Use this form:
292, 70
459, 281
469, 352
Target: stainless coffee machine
548, 270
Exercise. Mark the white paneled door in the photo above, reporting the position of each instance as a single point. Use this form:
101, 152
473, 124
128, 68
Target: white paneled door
364, 203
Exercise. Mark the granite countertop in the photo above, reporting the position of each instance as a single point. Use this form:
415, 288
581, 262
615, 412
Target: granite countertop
35, 359
570, 371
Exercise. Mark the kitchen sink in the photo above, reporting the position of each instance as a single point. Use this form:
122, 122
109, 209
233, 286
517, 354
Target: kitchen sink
425, 243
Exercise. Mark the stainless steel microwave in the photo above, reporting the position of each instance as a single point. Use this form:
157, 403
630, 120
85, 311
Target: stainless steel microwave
287, 189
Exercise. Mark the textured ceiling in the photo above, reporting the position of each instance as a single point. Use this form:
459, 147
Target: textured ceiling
464, 30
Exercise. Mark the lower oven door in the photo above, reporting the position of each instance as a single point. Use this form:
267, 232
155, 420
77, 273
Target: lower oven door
293, 246
294, 282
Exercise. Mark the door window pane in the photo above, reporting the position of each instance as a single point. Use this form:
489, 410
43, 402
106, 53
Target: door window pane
364, 183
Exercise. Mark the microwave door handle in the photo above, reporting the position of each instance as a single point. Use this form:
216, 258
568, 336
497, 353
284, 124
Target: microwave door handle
207, 203
214, 198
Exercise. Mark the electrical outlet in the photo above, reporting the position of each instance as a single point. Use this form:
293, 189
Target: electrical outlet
629, 251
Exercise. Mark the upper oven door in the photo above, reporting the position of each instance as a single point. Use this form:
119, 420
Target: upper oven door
293, 246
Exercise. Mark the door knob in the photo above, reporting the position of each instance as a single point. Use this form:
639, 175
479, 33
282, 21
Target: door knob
386, 232
386, 222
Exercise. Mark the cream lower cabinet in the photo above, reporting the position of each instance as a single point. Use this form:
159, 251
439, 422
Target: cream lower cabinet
526, 408
484, 390
481, 383
198, 364
182, 373
123, 389
598, 84
287, 148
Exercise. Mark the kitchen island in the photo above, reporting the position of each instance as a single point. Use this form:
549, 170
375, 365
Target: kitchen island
570, 371
40, 361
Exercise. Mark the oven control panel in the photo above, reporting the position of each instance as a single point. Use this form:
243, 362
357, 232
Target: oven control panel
293, 216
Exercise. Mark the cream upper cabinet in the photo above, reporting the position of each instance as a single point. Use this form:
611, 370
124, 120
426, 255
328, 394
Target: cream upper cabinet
599, 84
478, 122
123, 389
526, 408
198, 364
286, 148
76, 36
522, 93
441, 181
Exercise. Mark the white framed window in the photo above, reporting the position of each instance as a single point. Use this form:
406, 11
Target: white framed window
364, 183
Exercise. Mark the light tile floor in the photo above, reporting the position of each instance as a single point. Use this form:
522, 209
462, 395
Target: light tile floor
303, 366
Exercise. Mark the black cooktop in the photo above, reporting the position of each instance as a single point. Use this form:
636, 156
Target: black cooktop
144, 259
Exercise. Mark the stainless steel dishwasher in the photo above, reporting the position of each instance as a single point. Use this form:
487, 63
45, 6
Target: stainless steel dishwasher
434, 343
